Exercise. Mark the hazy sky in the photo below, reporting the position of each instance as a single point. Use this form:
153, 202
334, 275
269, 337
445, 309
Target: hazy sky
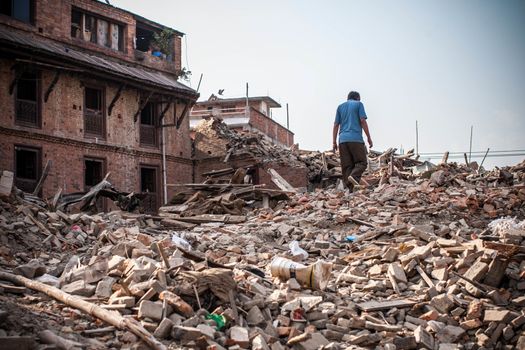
448, 64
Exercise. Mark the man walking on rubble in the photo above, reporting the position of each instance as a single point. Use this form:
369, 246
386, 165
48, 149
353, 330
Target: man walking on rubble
350, 121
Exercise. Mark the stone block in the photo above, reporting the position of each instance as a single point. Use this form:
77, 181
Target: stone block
151, 310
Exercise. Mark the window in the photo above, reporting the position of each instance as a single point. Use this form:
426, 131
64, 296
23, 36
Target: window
19, 9
94, 169
148, 124
149, 187
145, 41
93, 172
27, 97
28, 167
144, 38
97, 30
94, 118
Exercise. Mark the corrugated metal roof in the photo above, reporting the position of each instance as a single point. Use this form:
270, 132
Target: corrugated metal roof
141, 75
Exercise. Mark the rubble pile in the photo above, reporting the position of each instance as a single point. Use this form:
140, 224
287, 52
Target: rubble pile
251, 144
431, 260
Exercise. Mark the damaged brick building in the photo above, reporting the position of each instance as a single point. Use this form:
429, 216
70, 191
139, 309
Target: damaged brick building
244, 114
85, 92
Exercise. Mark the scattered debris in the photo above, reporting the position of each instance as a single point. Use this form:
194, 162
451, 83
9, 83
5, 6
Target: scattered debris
434, 259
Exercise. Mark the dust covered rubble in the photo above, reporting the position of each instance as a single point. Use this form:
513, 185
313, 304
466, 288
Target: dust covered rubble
434, 262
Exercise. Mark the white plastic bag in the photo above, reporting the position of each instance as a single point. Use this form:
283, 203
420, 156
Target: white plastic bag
297, 251
180, 242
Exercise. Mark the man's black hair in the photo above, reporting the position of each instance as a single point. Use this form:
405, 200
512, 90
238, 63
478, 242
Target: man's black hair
354, 95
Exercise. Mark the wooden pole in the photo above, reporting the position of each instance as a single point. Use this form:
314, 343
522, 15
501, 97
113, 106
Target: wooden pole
445, 158
38, 187
111, 317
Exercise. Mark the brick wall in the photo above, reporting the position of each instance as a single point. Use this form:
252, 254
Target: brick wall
296, 176
53, 20
258, 121
271, 128
61, 136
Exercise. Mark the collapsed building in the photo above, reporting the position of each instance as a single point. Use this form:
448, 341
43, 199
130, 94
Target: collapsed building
89, 89
244, 114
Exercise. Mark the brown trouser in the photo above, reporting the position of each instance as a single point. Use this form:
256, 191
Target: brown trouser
353, 161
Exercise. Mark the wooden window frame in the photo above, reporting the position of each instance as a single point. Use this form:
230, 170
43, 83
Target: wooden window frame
156, 168
32, 13
38, 123
123, 26
156, 112
102, 203
102, 89
38, 151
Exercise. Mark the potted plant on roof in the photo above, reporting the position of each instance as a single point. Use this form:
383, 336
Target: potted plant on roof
162, 41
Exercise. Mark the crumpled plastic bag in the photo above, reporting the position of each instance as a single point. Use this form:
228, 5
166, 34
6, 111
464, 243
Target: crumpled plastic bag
297, 251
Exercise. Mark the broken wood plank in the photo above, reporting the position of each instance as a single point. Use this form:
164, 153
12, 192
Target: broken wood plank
175, 223
385, 304
40, 183
425, 277
278, 180
112, 318
205, 218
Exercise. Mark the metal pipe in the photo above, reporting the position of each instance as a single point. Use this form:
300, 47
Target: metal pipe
470, 148
164, 176
199, 85
485, 156
417, 141
247, 105
287, 118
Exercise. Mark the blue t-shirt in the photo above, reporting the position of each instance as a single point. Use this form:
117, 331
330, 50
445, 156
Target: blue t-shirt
348, 117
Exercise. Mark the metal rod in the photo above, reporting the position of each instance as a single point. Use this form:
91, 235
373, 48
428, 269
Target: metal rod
199, 85
485, 156
247, 106
287, 117
470, 148
164, 176
417, 141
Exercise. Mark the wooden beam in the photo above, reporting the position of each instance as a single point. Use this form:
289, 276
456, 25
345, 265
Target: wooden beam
115, 98
369, 306
183, 114
164, 111
141, 107
47, 65
52, 85
43, 177
18, 75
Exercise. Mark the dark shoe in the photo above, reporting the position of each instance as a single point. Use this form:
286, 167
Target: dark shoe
353, 181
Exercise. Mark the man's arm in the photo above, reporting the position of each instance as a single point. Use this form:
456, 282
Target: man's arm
334, 136
364, 125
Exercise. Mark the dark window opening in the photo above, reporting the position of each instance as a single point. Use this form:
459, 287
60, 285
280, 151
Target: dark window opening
27, 99
143, 39
94, 99
97, 30
149, 186
27, 168
94, 170
93, 111
76, 24
19, 9
148, 124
